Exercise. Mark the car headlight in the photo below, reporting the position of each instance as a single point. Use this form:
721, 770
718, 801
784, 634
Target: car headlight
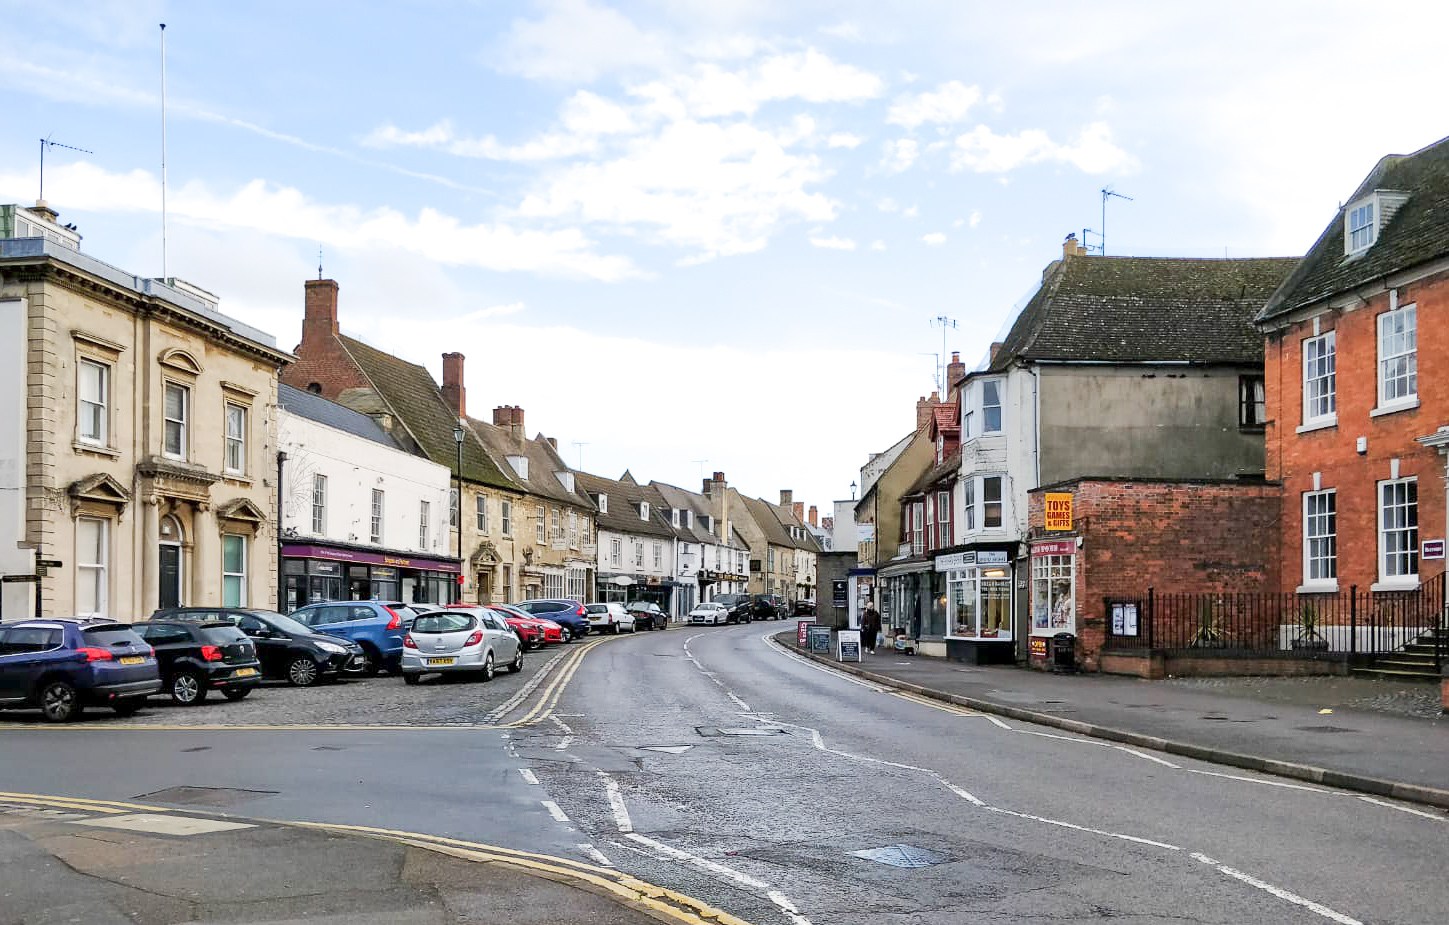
332, 648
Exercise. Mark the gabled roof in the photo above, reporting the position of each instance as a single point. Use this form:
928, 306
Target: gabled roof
1145, 309
1417, 233
775, 522
624, 497
685, 500
543, 463
947, 468
316, 408
409, 390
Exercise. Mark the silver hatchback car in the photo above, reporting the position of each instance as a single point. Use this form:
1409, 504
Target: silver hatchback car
459, 639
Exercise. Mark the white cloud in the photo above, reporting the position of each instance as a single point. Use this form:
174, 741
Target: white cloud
948, 103
494, 311
983, 151
958, 223
912, 212
900, 155
286, 211
975, 217
844, 140
577, 41
888, 205
810, 75
934, 238
834, 243
848, 30
585, 118
877, 245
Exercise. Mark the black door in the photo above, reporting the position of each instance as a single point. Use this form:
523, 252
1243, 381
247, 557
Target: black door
170, 576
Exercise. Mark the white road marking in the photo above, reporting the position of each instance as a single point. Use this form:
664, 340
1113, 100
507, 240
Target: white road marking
529, 776
1279, 892
702, 863
1061, 738
568, 738
1258, 780
507, 706
819, 742
595, 855
770, 641
996, 721
1082, 828
1437, 817
616, 803
787, 907
554, 811
1162, 761
738, 702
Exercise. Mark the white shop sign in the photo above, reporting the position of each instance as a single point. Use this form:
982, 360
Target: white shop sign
959, 560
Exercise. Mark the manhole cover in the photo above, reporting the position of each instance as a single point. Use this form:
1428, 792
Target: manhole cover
205, 796
1324, 729
708, 731
902, 856
669, 749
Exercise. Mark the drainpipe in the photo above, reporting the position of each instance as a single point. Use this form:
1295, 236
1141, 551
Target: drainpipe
281, 575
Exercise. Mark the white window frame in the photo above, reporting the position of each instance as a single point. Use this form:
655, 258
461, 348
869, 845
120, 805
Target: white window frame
943, 519
234, 444
1045, 603
986, 427
319, 504
1252, 400
638, 554
918, 515
1320, 540
573, 530
603, 502
1000, 502
505, 516
616, 551
183, 424
968, 505
540, 526
97, 573
1360, 229
97, 411
455, 507
379, 502
423, 516
1407, 547
1320, 380
241, 576
1407, 351
658, 556
643, 510
480, 512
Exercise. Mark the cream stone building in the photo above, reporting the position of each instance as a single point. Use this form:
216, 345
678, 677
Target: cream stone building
136, 436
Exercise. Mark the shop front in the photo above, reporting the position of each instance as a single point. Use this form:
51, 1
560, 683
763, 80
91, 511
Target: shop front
1053, 598
313, 572
913, 604
979, 605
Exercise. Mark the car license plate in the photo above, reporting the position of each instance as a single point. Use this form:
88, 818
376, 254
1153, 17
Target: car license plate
244, 673
441, 661
132, 660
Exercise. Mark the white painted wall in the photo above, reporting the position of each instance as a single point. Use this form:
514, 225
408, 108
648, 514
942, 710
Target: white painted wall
16, 600
1010, 453
843, 535
626, 557
354, 467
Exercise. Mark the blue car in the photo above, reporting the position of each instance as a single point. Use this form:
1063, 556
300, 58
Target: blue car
377, 626
62, 665
570, 615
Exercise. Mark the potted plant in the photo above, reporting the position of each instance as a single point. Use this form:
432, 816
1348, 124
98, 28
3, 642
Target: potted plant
1308, 637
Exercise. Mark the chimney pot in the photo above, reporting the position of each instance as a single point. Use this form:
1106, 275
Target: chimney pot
814, 516
786, 496
502, 416
798, 509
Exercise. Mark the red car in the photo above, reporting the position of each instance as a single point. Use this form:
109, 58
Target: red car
534, 631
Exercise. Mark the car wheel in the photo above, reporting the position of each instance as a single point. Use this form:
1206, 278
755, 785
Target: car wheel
59, 702
614, 629
302, 671
235, 693
411, 677
128, 706
188, 688
487, 673
516, 665
566, 634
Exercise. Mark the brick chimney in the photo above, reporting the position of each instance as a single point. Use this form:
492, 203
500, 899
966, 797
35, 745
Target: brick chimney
955, 372
453, 392
516, 424
319, 322
786, 496
814, 516
716, 490
502, 416
798, 509
1071, 247
995, 349
925, 408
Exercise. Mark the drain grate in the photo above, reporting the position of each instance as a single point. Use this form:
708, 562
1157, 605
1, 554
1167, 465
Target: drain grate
205, 796
902, 856
711, 731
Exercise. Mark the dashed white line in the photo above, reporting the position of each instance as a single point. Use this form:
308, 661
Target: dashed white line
616, 803
1258, 780
996, 721
595, 855
1162, 761
1437, 817
738, 702
568, 737
1279, 892
528, 776
1082, 828
554, 811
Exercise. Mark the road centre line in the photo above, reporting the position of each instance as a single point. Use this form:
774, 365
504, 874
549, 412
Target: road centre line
1279, 892
616, 803
554, 810
781, 901
1083, 828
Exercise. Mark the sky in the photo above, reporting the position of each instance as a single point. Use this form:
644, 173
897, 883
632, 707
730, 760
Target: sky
690, 236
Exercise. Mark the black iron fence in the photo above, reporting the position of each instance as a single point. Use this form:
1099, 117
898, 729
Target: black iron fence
1345, 623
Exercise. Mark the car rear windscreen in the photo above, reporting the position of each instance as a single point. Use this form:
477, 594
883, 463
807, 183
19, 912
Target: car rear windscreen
221, 635
115, 635
443, 623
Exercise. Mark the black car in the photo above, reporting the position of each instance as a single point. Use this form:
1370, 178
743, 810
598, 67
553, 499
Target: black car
737, 607
767, 607
648, 616
804, 608
287, 649
200, 657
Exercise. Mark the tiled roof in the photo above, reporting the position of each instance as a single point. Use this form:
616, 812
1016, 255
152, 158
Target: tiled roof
1143, 309
316, 408
543, 463
413, 396
775, 522
1417, 233
697, 504
624, 498
948, 467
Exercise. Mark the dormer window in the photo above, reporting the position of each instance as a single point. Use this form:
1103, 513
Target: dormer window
1364, 217
674, 516
1361, 227
602, 500
708, 523
643, 510
684, 519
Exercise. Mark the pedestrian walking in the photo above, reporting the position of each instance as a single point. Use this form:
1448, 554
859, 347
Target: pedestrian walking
870, 628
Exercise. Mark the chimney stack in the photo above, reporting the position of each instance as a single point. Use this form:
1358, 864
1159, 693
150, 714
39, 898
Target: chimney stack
453, 392
995, 349
925, 409
814, 516
1071, 247
955, 372
786, 496
516, 424
319, 321
502, 416
798, 509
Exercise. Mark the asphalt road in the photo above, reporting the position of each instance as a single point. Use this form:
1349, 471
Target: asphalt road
712, 763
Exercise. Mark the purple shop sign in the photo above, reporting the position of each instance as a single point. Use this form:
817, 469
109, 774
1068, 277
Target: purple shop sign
1432, 549
308, 551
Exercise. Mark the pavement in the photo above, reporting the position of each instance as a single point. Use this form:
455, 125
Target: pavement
96, 864
1380, 737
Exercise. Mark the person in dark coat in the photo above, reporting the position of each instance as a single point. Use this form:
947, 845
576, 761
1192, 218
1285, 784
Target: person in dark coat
869, 628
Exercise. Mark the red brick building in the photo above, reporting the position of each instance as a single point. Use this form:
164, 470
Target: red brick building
1357, 400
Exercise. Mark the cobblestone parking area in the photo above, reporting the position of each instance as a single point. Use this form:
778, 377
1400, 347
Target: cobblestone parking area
1399, 698
381, 700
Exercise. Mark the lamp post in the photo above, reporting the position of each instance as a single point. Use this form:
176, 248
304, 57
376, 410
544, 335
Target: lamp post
458, 508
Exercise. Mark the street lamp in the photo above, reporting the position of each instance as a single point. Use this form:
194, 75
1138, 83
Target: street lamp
458, 507
852, 491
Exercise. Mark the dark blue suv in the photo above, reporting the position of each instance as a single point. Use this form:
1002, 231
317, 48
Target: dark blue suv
377, 626
65, 664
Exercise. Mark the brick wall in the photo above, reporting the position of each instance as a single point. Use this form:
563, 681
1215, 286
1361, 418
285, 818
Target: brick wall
321, 358
1293, 457
1171, 536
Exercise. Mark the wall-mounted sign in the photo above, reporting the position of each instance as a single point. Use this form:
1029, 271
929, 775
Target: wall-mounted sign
993, 557
1057, 511
1124, 619
839, 593
954, 561
1056, 548
1432, 549
1037, 646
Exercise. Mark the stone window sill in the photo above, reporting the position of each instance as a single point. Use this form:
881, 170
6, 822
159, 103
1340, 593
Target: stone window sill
1396, 584
1395, 407
1319, 587
96, 448
1319, 424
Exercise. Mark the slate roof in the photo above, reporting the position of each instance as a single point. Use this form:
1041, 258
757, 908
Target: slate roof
316, 408
623, 514
543, 462
414, 397
1417, 233
685, 500
1142, 309
774, 522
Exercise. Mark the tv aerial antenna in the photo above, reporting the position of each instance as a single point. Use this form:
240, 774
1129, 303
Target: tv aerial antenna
945, 324
47, 143
1107, 193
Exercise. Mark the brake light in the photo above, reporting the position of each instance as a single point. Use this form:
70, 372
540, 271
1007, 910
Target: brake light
396, 620
211, 653
580, 611
474, 639
408, 642
94, 654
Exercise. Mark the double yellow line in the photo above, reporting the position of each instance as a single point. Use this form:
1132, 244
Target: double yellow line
546, 702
